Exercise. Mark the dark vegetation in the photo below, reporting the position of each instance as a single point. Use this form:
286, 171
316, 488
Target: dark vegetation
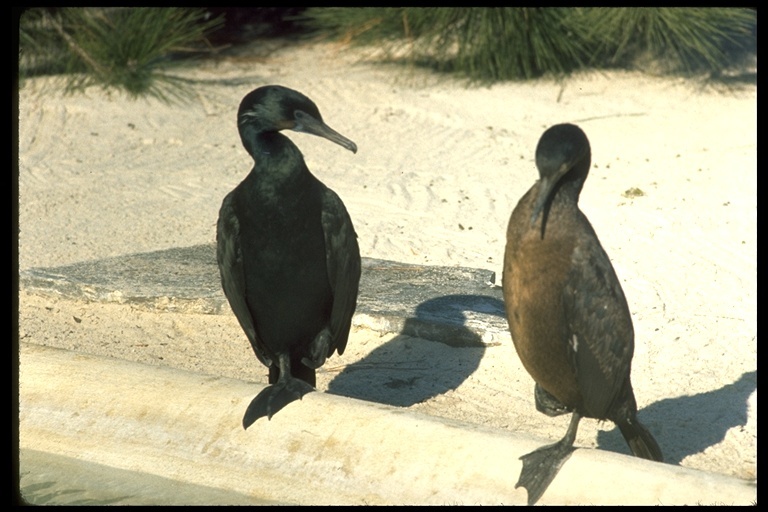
136, 49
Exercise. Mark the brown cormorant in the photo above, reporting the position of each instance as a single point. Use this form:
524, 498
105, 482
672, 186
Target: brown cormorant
286, 249
567, 313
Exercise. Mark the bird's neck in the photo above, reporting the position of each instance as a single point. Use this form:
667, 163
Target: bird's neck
563, 203
567, 191
279, 167
566, 194
266, 143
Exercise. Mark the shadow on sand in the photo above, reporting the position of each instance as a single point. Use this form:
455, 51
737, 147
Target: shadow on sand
405, 370
702, 420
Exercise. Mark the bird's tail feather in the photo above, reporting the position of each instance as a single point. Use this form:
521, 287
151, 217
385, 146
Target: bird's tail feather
640, 440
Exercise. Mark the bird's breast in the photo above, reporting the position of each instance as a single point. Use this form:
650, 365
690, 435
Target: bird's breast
284, 258
534, 277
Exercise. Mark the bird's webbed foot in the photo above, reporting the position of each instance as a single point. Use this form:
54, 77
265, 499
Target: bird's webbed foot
274, 397
542, 465
318, 350
547, 403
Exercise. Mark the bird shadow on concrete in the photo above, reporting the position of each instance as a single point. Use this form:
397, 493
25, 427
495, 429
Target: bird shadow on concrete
412, 366
688, 425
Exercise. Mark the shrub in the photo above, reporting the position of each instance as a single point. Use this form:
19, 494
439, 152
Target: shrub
126, 48
519, 43
687, 40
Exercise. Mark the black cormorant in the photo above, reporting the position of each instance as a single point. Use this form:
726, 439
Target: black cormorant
286, 249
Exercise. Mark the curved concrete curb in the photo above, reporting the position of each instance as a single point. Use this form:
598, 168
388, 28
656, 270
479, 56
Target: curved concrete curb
325, 449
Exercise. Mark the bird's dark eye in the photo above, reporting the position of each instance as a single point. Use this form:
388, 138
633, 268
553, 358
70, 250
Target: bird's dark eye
302, 120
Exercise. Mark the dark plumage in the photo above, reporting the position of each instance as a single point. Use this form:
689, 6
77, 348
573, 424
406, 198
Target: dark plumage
569, 320
287, 251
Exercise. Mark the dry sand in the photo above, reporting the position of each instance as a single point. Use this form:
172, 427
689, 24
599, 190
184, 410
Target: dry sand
439, 169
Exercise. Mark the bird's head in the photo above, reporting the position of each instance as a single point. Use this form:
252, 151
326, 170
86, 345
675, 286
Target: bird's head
273, 108
563, 153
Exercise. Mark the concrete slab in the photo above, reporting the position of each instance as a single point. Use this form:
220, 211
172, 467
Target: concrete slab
455, 305
158, 425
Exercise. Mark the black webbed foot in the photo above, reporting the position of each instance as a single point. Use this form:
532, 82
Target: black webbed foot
541, 466
273, 398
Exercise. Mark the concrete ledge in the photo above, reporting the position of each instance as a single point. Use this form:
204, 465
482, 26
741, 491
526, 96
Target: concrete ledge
454, 305
325, 449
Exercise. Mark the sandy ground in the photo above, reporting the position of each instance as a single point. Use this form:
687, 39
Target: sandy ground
439, 169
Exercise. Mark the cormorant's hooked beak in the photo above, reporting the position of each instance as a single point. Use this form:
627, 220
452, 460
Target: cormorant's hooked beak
308, 124
546, 185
